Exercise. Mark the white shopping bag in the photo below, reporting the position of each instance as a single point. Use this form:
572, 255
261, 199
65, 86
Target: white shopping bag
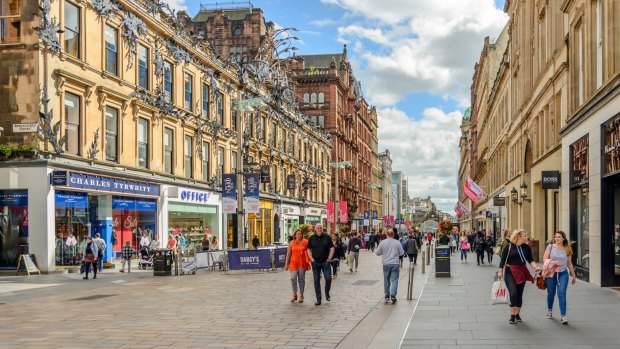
499, 292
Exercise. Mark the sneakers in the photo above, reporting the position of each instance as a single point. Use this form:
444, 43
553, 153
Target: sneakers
549, 314
564, 320
393, 298
387, 299
518, 318
513, 320
351, 269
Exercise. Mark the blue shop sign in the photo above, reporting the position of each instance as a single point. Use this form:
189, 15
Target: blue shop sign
194, 196
113, 185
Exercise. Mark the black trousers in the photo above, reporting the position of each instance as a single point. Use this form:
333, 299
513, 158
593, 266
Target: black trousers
515, 291
480, 256
412, 257
326, 268
490, 256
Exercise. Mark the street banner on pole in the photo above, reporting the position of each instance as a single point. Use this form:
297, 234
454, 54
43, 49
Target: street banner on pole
229, 193
331, 215
250, 199
264, 174
391, 221
385, 221
344, 212
375, 215
366, 218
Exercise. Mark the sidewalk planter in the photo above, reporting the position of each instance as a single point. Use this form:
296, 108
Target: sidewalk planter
5, 152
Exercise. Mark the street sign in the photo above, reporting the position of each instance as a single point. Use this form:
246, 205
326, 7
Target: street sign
499, 201
25, 128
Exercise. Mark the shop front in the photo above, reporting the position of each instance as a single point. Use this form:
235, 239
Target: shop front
261, 224
191, 215
313, 216
580, 206
290, 219
118, 209
610, 203
13, 226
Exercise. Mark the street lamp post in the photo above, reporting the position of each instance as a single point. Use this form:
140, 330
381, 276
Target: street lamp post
338, 166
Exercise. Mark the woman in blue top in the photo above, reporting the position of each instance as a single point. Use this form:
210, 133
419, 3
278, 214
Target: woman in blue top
561, 252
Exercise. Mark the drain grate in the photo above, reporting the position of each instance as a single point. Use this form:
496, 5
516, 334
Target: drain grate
365, 282
93, 297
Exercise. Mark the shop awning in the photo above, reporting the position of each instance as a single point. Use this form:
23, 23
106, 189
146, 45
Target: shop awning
174, 207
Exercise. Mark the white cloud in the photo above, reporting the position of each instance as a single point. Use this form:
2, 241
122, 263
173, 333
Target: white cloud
324, 22
421, 46
177, 4
425, 150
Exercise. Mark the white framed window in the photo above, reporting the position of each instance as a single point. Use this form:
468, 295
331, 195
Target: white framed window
189, 157
168, 150
72, 30
111, 134
111, 50
143, 143
10, 22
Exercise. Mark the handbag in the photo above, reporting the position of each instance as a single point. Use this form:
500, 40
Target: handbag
540, 282
499, 291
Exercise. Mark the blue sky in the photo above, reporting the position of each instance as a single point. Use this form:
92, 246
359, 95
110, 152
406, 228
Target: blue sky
415, 59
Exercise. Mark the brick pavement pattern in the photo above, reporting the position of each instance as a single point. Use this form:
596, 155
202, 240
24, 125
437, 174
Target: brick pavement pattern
456, 312
252, 310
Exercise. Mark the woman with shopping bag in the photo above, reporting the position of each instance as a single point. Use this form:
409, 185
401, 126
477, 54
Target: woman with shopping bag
515, 257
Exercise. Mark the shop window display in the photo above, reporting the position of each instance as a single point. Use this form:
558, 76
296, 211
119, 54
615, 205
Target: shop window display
131, 219
13, 226
72, 222
191, 223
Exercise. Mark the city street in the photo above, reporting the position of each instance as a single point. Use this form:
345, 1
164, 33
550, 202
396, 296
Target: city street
252, 310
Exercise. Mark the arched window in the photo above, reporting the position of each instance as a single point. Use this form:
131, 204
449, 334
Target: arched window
321, 99
313, 98
306, 98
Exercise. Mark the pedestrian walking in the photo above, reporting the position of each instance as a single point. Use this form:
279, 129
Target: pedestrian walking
255, 242
558, 263
338, 254
320, 252
355, 243
101, 246
452, 244
390, 250
89, 258
464, 243
471, 238
490, 249
374, 241
515, 256
411, 247
297, 263
481, 246
127, 253
503, 242
367, 240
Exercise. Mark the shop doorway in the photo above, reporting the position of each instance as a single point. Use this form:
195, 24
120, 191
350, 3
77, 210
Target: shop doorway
610, 231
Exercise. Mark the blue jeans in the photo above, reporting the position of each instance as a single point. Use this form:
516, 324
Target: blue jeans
560, 286
390, 280
463, 254
327, 274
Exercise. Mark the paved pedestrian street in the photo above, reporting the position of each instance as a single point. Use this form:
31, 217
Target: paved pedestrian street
213, 309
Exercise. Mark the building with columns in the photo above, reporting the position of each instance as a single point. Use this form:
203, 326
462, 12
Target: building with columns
386, 183
328, 91
542, 130
127, 128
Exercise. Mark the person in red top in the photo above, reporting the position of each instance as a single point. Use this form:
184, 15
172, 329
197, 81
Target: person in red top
297, 262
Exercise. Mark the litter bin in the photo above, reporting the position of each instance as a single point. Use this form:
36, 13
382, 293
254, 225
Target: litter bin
162, 262
442, 261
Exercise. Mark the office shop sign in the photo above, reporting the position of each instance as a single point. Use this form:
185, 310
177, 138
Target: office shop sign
113, 185
191, 196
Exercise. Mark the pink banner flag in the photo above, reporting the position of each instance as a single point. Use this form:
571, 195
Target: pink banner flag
470, 194
458, 211
385, 221
344, 212
331, 216
463, 209
474, 188
391, 221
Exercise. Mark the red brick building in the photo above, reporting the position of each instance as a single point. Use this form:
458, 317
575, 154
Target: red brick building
238, 29
330, 94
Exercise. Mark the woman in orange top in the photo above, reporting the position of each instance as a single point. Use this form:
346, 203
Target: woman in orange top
297, 259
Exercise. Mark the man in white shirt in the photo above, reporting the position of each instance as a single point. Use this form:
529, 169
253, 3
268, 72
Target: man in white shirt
101, 246
390, 250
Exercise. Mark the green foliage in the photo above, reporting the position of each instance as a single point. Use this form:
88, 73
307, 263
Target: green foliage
305, 229
5, 150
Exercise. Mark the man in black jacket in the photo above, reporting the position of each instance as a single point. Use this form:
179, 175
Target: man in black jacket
320, 251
